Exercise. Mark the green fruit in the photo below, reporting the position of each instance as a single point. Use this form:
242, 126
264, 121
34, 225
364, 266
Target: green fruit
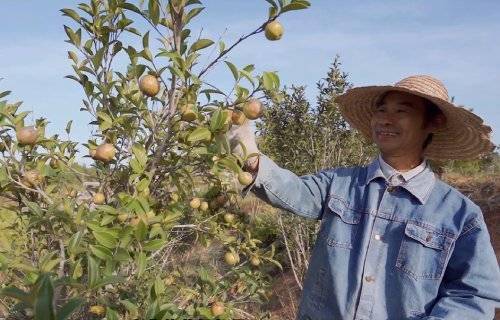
149, 85
274, 30
245, 178
231, 258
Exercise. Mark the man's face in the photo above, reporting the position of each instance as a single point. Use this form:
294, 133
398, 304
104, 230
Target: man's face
398, 125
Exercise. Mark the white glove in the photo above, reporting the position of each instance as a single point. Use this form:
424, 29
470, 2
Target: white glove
246, 135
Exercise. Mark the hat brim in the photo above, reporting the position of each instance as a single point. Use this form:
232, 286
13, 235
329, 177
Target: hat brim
464, 136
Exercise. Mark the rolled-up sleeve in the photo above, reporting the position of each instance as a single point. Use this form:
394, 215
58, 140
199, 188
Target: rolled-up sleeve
304, 196
471, 284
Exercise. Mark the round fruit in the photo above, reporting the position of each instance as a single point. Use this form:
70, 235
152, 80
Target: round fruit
245, 178
231, 258
274, 30
98, 198
27, 135
188, 115
32, 178
135, 221
229, 217
149, 85
195, 203
217, 309
254, 261
122, 217
204, 206
54, 163
97, 310
105, 152
238, 117
253, 109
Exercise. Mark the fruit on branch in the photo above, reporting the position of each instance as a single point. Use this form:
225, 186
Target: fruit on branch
122, 217
195, 203
217, 308
27, 135
105, 152
253, 109
188, 113
149, 85
97, 310
99, 198
255, 261
238, 117
231, 258
274, 30
229, 217
245, 178
204, 206
54, 163
32, 178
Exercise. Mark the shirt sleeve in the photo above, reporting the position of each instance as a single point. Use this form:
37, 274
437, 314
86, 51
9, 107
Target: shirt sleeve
304, 196
471, 283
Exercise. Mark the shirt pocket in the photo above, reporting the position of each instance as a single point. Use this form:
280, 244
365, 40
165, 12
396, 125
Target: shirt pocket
423, 252
341, 225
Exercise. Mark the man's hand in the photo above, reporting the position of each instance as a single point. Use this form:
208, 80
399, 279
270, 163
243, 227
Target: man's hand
245, 135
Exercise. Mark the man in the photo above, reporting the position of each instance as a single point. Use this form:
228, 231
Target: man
395, 242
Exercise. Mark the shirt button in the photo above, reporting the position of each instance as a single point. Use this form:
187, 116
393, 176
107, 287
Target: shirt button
369, 278
378, 237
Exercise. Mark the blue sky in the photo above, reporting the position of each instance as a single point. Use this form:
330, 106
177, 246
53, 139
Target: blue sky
379, 42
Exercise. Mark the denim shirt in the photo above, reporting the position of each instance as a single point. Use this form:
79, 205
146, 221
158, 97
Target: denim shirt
420, 250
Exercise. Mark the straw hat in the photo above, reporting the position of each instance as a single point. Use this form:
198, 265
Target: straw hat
464, 135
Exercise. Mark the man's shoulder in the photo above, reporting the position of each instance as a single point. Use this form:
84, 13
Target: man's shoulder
452, 194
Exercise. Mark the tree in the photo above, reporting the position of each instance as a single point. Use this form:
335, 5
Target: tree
160, 143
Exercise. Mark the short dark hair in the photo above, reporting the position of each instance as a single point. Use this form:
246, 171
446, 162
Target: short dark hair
431, 112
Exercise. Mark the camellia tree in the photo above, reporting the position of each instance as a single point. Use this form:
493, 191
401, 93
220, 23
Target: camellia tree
117, 240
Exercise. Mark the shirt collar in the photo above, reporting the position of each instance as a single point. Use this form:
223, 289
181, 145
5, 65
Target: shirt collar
420, 186
388, 170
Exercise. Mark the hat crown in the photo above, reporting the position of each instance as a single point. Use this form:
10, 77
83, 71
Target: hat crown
425, 84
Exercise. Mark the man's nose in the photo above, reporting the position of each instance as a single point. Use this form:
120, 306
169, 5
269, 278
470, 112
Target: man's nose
385, 119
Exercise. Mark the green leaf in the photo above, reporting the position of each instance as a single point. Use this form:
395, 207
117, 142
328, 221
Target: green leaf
217, 120
68, 126
17, 293
233, 69
154, 245
105, 238
68, 308
93, 271
267, 81
139, 152
43, 306
74, 242
71, 13
111, 314
191, 14
296, 5
130, 6
141, 230
229, 164
200, 44
199, 133
4, 94
141, 263
101, 252
272, 3
145, 40
154, 11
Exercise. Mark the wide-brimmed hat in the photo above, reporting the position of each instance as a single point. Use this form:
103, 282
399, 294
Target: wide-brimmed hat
464, 135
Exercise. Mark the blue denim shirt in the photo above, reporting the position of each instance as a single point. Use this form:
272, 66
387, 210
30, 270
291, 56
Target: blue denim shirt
416, 251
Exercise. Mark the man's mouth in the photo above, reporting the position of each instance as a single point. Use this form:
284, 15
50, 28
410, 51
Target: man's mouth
386, 133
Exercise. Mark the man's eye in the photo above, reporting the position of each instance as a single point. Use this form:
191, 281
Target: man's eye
402, 110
